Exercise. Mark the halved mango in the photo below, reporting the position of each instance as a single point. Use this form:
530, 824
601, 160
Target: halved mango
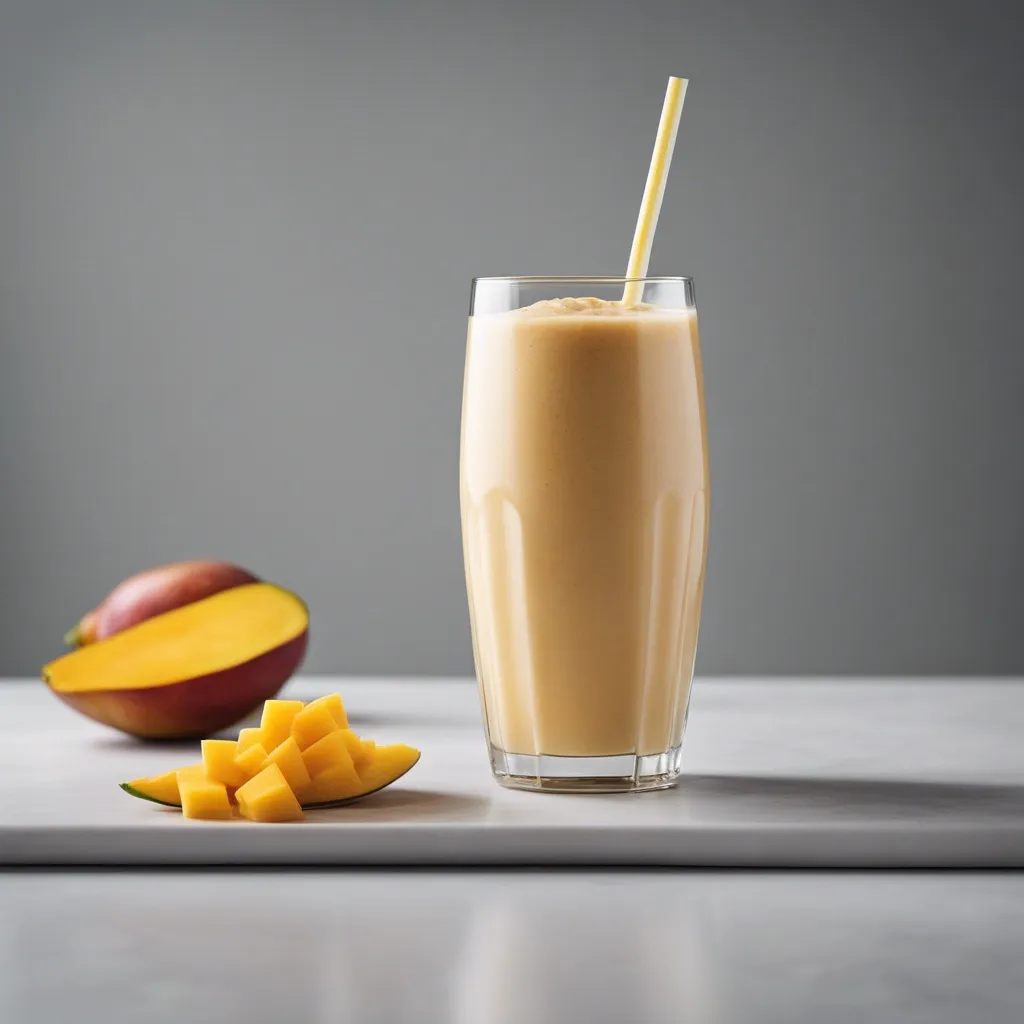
153, 592
191, 671
200, 796
267, 797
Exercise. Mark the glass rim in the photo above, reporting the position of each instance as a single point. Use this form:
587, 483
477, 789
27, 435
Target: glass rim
581, 278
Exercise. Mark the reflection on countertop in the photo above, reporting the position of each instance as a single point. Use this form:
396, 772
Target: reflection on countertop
524, 946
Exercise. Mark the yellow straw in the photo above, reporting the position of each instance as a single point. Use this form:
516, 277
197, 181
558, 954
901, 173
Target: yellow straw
647, 222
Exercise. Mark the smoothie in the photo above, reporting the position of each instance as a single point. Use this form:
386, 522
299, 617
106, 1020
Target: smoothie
584, 496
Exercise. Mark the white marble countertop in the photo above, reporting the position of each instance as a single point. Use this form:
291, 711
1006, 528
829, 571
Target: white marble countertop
542, 945
852, 773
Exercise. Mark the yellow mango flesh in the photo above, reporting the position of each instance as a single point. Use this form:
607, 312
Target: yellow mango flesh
353, 742
219, 763
246, 739
288, 758
389, 763
331, 785
336, 784
200, 797
250, 761
267, 797
276, 723
198, 639
365, 753
329, 753
336, 766
332, 701
312, 723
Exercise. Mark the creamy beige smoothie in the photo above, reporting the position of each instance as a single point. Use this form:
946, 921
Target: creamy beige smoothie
584, 494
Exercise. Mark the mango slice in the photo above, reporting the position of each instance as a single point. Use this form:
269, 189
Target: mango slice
161, 789
332, 786
389, 763
267, 797
337, 767
335, 786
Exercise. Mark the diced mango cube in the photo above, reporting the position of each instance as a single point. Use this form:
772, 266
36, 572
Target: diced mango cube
219, 762
364, 755
332, 701
191, 771
267, 797
330, 752
288, 758
276, 723
246, 738
352, 742
250, 761
312, 723
201, 797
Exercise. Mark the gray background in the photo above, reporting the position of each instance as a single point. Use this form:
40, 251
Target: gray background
235, 251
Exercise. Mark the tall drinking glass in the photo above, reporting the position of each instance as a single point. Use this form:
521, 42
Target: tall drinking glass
584, 498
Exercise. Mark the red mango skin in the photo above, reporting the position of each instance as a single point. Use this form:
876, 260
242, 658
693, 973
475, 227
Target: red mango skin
194, 708
154, 592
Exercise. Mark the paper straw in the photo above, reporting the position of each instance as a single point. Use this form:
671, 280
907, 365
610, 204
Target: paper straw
647, 222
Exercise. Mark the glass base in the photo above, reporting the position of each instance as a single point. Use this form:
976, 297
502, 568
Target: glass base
622, 773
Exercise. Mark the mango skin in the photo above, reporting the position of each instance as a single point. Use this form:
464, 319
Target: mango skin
154, 592
194, 708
